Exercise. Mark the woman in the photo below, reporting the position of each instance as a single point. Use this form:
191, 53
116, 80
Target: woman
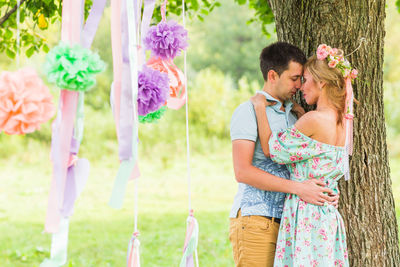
314, 147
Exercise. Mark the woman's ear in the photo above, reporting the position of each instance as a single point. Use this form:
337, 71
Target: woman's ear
321, 84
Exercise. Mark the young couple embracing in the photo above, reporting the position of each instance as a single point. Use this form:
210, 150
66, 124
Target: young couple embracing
288, 162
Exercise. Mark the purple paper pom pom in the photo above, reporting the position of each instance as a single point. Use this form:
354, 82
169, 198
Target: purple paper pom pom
153, 90
166, 39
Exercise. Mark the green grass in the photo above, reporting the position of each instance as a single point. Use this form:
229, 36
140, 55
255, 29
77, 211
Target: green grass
99, 235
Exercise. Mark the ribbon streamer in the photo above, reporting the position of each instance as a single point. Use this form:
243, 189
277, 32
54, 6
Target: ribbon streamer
133, 257
59, 242
69, 176
348, 122
191, 242
127, 120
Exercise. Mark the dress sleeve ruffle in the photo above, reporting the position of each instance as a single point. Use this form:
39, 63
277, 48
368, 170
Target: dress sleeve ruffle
291, 146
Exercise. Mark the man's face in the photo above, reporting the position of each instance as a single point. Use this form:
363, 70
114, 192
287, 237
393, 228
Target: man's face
289, 81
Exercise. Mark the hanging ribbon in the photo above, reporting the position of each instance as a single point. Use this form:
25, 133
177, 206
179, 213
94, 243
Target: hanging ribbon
128, 58
191, 242
133, 257
63, 125
127, 120
145, 23
70, 108
348, 122
59, 242
69, 173
18, 38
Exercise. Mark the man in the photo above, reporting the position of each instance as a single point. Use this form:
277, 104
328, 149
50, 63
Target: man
258, 205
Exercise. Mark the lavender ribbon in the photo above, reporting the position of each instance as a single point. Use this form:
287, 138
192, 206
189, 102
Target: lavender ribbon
78, 173
92, 22
147, 14
127, 126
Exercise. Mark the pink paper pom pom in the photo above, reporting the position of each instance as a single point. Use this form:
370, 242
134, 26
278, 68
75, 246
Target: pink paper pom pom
175, 75
25, 102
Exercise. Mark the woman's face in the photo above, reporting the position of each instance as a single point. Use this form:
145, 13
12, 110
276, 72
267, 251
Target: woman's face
310, 88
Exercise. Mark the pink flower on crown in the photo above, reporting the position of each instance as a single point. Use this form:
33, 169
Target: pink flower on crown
346, 73
322, 51
333, 52
333, 63
354, 73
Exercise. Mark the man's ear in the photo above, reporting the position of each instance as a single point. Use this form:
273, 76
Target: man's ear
272, 75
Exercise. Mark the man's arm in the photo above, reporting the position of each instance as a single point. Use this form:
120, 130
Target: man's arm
311, 191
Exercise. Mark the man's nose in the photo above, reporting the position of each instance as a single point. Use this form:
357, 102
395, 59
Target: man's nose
298, 84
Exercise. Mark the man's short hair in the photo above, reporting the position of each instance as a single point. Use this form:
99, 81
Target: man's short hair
277, 57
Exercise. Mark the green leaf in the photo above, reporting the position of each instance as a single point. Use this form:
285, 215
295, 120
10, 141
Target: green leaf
204, 11
398, 5
10, 53
45, 48
241, 2
30, 51
200, 18
195, 4
21, 17
8, 34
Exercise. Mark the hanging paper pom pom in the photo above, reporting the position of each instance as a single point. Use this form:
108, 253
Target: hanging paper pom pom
153, 116
152, 90
25, 102
175, 75
166, 39
73, 68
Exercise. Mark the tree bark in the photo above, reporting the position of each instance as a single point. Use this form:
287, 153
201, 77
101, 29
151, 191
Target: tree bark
366, 201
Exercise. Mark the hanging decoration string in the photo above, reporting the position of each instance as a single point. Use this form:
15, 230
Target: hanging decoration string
187, 116
17, 38
192, 230
163, 11
361, 41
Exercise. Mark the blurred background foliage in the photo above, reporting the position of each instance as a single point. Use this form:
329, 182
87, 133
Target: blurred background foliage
223, 71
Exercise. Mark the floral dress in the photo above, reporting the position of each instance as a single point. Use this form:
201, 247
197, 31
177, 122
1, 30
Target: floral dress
309, 235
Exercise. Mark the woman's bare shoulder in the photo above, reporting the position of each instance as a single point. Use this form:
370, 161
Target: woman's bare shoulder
312, 122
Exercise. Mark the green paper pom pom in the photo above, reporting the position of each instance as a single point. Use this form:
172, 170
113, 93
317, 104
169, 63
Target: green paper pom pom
73, 68
153, 116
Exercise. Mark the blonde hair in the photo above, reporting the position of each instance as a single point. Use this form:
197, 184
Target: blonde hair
334, 83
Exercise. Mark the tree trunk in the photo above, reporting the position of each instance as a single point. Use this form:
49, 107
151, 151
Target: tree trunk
366, 202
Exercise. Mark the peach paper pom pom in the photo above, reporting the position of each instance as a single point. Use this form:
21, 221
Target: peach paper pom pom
25, 102
175, 75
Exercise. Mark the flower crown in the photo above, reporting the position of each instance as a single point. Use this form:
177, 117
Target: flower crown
336, 59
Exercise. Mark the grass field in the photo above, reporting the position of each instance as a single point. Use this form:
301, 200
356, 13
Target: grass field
99, 235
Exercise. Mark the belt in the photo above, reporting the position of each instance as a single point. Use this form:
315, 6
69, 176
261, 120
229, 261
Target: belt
278, 220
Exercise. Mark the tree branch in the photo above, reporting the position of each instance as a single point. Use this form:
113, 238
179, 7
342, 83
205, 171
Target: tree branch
8, 14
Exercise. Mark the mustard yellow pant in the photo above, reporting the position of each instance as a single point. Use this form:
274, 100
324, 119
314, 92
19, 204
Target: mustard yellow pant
253, 240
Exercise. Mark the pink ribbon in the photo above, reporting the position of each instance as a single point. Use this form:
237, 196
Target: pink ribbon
163, 10
66, 176
349, 116
348, 122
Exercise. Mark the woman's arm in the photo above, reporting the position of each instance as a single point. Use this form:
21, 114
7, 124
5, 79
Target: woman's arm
264, 131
